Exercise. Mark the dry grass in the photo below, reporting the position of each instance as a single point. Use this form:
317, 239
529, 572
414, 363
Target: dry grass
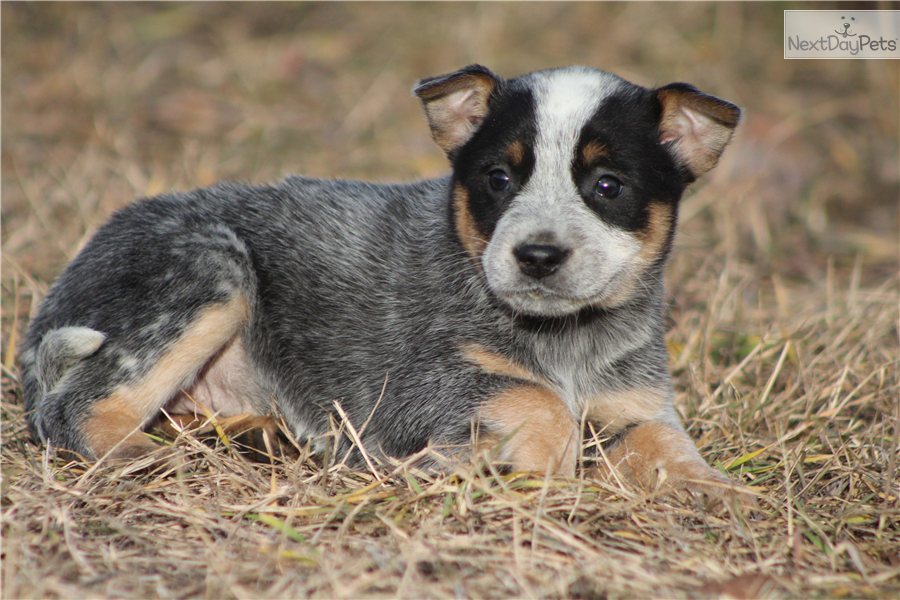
784, 284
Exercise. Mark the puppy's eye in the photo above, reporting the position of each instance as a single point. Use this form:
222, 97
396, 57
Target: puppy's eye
608, 187
498, 180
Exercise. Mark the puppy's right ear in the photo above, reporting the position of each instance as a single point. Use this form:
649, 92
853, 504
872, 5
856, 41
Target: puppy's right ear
456, 104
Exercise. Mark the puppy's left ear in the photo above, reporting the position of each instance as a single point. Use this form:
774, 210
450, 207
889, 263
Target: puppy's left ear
456, 104
695, 126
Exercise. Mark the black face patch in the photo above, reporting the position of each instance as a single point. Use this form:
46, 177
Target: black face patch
503, 143
620, 143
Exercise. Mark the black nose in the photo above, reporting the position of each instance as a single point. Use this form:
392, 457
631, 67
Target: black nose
540, 260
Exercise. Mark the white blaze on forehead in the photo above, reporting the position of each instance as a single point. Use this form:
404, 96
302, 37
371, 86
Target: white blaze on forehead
565, 100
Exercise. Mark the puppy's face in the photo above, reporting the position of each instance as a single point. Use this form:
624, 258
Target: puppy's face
566, 181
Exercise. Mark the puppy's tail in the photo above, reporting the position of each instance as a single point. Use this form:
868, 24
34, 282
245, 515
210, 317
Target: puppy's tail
60, 350
44, 360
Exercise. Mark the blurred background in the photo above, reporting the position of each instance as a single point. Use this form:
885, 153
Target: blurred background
783, 288
106, 102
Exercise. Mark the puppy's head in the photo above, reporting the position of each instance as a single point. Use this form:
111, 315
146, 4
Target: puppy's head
566, 182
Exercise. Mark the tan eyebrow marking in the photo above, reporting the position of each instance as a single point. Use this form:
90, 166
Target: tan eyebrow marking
591, 151
516, 153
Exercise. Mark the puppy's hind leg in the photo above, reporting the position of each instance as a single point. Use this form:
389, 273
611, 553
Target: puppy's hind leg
112, 422
161, 289
89, 404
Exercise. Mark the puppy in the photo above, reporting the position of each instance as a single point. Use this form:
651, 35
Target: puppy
522, 293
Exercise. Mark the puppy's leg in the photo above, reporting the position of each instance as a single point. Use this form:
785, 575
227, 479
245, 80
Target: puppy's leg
657, 454
654, 451
149, 302
113, 419
534, 428
107, 409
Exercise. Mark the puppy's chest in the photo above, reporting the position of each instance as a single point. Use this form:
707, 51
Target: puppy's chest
577, 372
599, 378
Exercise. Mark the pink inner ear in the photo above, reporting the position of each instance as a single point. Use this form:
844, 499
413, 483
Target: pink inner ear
467, 107
668, 136
699, 139
684, 124
455, 116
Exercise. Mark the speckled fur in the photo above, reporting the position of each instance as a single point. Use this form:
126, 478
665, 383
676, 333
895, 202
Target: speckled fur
349, 284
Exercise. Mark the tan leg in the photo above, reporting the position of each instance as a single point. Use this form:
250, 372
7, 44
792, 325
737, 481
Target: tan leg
114, 421
657, 455
113, 425
535, 429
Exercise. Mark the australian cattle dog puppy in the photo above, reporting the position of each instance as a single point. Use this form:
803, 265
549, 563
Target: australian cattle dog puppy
520, 296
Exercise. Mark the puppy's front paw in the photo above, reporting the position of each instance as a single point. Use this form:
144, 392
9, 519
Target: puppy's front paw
659, 457
532, 429
699, 478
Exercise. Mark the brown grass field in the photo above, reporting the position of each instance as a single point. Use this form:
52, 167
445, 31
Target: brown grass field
783, 284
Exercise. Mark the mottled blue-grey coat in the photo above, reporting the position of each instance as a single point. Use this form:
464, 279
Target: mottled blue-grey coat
519, 297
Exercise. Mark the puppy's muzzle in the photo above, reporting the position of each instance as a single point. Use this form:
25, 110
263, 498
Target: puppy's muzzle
540, 260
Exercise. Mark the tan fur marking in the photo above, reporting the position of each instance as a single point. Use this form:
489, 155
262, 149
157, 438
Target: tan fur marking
616, 410
496, 364
539, 433
591, 151
113, 420
655, 453
132, 405
654, 235
239, 424
468, 234
515, 152
172, 425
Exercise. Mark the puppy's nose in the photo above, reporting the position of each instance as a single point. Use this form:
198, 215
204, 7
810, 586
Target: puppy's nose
540, 260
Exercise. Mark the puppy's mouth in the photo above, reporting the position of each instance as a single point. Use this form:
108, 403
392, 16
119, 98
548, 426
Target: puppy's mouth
535, 298
539, 300
539, 292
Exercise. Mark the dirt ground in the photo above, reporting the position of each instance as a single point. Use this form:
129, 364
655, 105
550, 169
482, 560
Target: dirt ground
783, 289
